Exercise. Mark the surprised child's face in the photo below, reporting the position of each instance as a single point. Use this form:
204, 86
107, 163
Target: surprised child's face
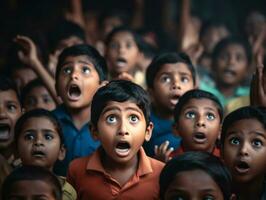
193, 185
10, 111
122, 54
170, 83
77, 82
39, 143
31, 189
122, 129
39, 97
231, 65
244, 150
199, 125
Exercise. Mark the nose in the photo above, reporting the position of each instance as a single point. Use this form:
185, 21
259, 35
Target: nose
176, 84
244, 149
123, 131
75, 74
40, 104
38, 140
232, 59
2, 112
200, 122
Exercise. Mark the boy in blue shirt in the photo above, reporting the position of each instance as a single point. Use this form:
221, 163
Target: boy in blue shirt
80, 72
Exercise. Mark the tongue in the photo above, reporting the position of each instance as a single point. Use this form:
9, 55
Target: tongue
122, 149
121, 63
4, 133
74, 93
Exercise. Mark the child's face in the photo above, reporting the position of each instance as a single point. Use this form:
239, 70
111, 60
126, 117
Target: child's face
10, 111
122, 130
39, 97
122, 53
31, 189
170, 83
193, 185
199, 125
244, 150
231, 65
39, 143
77, 82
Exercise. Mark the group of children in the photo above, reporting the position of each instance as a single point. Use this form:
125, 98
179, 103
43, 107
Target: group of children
115, 135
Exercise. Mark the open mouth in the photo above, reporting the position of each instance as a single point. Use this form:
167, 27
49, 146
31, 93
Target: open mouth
229, 72
122, 149
74, 92
174, 99
121, 62
38, 154
199, 137
4, 131
242, 167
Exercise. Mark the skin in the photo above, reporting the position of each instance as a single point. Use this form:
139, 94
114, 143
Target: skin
39, 97
199, 116
23, 76
39, 134
171, 82
31, 190
121, 121
234, 59
10, 111
79, 71
193, 185
122, 45
246, 141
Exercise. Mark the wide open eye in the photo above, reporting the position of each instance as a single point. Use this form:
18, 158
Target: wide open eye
235, 141
86, 70
67, 70
133, 119
190, 115
210, 116
111, 119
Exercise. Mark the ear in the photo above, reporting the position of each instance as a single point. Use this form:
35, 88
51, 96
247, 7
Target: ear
175, 129
103, 83
62, 153
94, 132
148, 132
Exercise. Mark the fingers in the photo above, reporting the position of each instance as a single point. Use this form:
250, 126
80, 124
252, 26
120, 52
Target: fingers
162, 152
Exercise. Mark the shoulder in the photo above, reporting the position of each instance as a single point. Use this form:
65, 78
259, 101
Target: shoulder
79, 162
69, 193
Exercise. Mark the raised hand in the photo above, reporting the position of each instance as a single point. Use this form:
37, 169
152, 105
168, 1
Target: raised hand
162, 152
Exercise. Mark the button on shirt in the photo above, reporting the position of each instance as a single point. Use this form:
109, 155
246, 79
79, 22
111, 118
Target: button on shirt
78, 143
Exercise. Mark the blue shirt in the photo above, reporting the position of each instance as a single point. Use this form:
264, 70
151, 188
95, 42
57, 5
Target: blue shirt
162, 131
78, 143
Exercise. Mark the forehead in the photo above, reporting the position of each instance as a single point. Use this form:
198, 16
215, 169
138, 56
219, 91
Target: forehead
121, 106
178, 67
7, 95
247, 125
39, 88
234, 48
80, 58
123, 36
38, 122
201, 103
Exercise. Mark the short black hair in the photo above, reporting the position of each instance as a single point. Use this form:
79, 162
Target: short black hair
229, 41
29, 87
196, 94
39, 113
120, 91
84, 50
247, 112
31, 173
189, 161
8, 84
137, 38
166, 58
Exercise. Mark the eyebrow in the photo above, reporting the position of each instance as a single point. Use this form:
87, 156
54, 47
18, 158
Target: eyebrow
80, 61
113, 108
195, 107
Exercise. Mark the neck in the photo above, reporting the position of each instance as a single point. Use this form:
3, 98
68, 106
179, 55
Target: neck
80, 116
226, 90
249, 191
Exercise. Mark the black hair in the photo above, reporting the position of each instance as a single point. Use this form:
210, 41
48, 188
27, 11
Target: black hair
8, 84
137, 38
84, 50
166, 58
65, 29
31, 173
120, 91
189, 161
229, 41
196, 94
39, 113
247, 112
212, 24
115, 13
28, 88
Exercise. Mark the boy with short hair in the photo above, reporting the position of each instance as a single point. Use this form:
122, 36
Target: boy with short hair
39, 141
80, 72
119, 168
168, 77
31, 182
198, 120
195, 175
243, 150
10, 110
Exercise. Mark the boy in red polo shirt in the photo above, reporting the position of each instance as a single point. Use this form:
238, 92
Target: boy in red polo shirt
119, 169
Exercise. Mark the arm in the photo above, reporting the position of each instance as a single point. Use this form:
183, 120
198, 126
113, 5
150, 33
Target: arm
138, 15
29, 57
